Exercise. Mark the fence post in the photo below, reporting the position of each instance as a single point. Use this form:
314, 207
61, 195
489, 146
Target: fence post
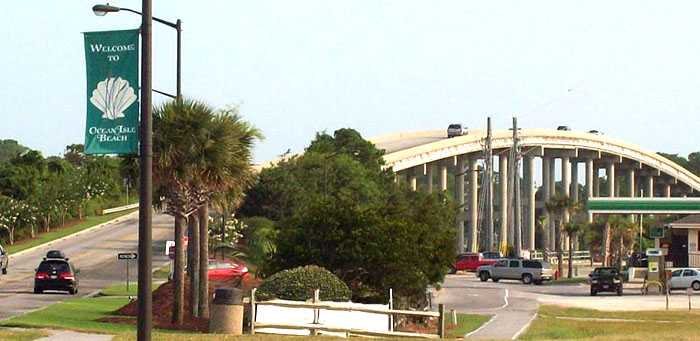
441, 321
316, 299
252, 311
453, 316
391, 307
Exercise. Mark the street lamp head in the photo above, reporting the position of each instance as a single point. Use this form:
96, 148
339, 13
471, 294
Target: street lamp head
102, 10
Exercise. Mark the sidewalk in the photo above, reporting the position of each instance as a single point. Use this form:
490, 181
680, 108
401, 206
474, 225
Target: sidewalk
63, 335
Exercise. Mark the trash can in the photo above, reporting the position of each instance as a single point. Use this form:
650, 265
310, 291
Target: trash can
226, 312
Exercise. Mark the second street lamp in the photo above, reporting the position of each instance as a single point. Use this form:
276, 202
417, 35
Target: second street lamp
102, 10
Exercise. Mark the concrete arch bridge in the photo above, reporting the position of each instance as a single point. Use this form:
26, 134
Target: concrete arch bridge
429, 160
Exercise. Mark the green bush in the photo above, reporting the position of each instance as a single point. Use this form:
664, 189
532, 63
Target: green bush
298, 284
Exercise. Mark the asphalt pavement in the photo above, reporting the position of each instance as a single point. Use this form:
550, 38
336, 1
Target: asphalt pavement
511, 310
94, 252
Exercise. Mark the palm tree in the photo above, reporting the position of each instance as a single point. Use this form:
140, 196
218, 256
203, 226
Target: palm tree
624, 235
542, 223
223, 166
178, 126
572, 230
557, 206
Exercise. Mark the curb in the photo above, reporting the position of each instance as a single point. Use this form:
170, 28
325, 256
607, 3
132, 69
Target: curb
89, 229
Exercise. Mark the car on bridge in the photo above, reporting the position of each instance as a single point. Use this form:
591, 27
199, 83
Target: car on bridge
456, 129
470, 262
4, 260
526, 270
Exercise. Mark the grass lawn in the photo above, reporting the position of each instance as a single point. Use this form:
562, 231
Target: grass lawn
466, 323
76, 314
552, 324
62, 232
81, 314
162, 273
21, 335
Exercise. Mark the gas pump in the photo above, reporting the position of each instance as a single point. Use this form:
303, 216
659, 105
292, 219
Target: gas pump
656, 271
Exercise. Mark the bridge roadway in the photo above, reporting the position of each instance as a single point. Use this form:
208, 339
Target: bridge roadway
93, 252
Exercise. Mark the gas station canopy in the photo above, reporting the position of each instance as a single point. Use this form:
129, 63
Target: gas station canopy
644, 205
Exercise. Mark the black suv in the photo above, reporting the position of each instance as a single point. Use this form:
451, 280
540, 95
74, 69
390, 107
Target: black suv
605, 279
56, 274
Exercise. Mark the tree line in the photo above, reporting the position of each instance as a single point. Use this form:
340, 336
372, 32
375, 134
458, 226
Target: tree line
42, 193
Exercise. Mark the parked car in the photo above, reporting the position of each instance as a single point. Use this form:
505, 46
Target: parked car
527, 271
4, 260
564, 128
491, 255
605, 279
56, 274
225, 268
685, 278
469, 262
456, 130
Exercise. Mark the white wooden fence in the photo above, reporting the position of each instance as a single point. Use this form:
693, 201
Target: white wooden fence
318, 307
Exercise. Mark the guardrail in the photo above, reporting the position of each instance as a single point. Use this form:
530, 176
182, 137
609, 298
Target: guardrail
316, 305
577, 257
120, 208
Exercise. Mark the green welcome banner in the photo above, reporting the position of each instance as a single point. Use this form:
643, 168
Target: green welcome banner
112, 59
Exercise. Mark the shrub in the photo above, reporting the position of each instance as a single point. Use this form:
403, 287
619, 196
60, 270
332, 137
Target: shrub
298, 284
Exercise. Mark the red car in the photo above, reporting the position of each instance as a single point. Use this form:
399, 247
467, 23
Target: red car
469, 262
226, 268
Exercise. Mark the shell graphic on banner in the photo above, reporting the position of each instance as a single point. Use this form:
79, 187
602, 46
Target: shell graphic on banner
112, 96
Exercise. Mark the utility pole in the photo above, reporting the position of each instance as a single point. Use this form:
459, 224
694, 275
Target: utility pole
517, 214
489, 187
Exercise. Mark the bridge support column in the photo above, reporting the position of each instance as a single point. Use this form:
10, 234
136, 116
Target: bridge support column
547, 191
552, 192
610, 174
566, 184
503, 185
589, 183
574, 189
413, 179
473, 206
667, 190
529, 174
443, 175
429, 177
631, 192
459, 199
596, 181
649, 188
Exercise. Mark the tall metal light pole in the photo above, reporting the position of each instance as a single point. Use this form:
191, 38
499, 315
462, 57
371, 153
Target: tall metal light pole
517, 228
489, 188
102, 10
145, 305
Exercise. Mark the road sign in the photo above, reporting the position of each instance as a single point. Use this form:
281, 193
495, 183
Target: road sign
127, 256
656, 232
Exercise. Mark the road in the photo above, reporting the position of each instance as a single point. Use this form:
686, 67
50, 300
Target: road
513, 305
512, 310
93, 252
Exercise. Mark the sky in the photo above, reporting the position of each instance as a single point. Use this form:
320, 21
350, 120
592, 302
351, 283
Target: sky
627, 68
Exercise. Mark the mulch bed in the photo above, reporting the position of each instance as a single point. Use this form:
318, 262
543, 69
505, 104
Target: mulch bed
163, 306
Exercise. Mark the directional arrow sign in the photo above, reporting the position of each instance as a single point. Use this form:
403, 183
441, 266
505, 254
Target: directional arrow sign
132, 255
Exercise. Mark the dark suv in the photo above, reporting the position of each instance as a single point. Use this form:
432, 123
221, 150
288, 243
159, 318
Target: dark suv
56, 274
605, 279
